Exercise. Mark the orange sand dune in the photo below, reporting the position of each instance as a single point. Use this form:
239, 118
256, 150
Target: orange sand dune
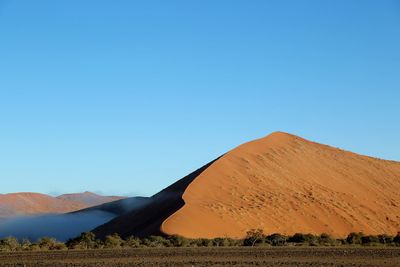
280, 183
17, 204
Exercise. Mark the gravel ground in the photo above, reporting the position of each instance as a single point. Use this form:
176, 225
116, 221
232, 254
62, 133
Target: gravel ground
240, 256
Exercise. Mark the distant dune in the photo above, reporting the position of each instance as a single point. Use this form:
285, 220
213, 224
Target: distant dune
280, 183
18, 204
89, 199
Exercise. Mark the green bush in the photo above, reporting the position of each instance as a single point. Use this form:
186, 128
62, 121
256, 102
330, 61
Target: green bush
201, 242
113, 241
156, 241
26, 244
303, 238
385, 239
326, 240
254, 237
132, 242
369, 240
297, 238
9, 244
48, 243
86, 240
230, 242
218, 242
354, 238
34, 247
178, 241
59, 246
396, 239
223, 242
276, 240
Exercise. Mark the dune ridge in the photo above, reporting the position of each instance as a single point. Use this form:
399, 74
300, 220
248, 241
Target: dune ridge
280, 183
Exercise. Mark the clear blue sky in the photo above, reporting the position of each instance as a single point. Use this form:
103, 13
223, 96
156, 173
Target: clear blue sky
125, 97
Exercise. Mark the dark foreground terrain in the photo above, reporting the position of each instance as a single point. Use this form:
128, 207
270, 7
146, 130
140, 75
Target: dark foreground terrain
279, 256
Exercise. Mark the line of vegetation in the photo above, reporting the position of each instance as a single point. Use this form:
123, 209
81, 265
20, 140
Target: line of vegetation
254, 237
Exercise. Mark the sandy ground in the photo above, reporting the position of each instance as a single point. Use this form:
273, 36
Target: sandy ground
285, 256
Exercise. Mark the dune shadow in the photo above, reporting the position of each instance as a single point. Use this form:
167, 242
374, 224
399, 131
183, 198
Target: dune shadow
147, 220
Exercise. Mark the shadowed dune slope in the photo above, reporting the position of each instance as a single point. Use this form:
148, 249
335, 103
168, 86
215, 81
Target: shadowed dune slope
280, 183
146, 219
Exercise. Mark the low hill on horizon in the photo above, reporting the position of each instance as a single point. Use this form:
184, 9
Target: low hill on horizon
281, 184
89, 199
28, 203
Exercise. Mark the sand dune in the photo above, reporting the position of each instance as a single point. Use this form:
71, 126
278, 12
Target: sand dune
17, 204
280, 183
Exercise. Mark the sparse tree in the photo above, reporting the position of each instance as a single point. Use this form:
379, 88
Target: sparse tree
253, 237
